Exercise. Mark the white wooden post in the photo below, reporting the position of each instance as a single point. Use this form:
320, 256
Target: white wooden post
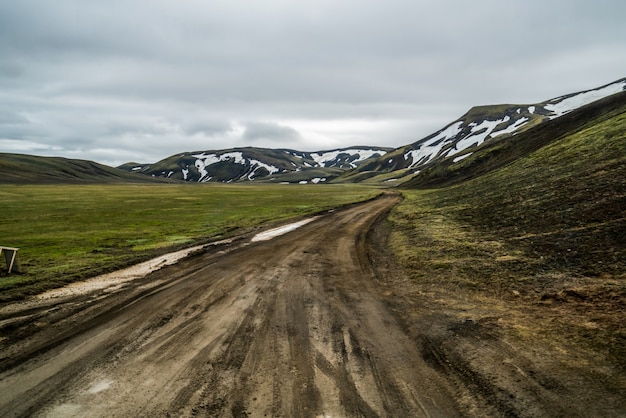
12, 259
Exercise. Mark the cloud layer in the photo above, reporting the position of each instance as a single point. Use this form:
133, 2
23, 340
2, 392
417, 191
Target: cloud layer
140, 80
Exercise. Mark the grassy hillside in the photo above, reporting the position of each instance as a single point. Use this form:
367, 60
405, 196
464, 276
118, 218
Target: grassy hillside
69, 232
541, 237
20, 168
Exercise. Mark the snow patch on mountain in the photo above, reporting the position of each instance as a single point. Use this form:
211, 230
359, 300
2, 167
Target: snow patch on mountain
511, 128
258, 164
429, 149
209, 159
323, 159
205, 160
560, 107
423, 154
364, 154
479, 133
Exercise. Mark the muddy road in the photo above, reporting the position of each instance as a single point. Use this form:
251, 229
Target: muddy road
291, 326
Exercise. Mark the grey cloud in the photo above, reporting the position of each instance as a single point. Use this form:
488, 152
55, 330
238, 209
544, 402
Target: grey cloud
255, 131
12, 118
207, 127
10, 70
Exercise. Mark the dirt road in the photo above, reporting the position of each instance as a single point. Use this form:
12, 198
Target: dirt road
292, 326
319, 321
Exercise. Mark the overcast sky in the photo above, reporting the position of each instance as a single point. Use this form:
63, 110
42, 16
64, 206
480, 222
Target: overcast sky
139, 80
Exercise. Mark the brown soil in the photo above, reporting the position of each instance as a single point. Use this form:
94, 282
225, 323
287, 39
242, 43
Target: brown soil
316, 322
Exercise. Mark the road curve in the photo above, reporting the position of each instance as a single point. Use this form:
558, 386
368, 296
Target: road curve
293, 327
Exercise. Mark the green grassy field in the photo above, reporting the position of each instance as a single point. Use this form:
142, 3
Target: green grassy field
69, 232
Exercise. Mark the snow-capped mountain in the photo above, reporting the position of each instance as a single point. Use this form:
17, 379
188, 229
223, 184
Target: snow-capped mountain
249, 164
417, 162
478, 125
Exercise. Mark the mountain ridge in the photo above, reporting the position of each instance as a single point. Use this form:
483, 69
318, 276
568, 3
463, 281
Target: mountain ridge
265, 164
478, 125
452, 144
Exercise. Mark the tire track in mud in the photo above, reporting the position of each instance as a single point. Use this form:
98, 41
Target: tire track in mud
293, 326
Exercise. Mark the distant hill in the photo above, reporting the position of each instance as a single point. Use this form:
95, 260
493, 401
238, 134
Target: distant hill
481, 124
21, 168
258, 164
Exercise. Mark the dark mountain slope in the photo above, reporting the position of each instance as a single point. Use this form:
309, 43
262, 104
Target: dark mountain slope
20, 168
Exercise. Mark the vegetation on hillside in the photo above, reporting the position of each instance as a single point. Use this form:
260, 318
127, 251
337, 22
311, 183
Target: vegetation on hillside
543, 235
29, 169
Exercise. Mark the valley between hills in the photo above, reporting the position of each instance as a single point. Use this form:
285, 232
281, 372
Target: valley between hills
488, 285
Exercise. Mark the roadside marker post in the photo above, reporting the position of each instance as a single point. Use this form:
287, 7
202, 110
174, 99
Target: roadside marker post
12, 259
